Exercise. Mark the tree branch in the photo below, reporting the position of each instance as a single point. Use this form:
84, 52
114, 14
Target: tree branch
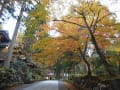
103, 17
71, 23
95, 23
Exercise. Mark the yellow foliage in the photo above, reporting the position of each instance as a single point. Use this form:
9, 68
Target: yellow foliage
73, 36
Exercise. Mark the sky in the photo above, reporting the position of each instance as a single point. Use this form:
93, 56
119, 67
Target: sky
9, 26
112, 5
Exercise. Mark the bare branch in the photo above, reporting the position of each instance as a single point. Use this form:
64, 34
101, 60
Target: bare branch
107, 25
92, 22
95, 23
71, 23
103, 17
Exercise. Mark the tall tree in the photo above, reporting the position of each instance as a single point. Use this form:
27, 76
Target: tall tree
71, 32
23, 4
10, 49
91, 16
34, 22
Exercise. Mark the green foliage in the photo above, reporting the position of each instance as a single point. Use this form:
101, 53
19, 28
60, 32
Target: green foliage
7, 77
114, 59
99, 70
68, 53
20, 71
36, 18
37, 50
27, 72
68, 65
118, 26
115, 67
19, 66
33, 24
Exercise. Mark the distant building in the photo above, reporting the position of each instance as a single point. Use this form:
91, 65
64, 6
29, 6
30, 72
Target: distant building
4, 42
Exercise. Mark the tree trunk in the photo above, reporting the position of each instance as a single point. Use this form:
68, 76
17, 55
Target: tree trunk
86, 62
101, 55
1, 10
11, 46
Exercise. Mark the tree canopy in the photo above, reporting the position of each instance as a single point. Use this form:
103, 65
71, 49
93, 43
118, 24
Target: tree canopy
85, 23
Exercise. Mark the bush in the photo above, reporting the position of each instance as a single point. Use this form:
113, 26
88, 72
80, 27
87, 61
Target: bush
8, 77
100, 70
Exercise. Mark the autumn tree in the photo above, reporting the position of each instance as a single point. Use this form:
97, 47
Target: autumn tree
34, 23
69, 31
93, 16
53, 52
94, 23
65, 47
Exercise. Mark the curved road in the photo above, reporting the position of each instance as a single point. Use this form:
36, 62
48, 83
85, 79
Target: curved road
47, 85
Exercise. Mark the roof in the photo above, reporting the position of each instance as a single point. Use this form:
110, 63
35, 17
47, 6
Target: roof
4, 38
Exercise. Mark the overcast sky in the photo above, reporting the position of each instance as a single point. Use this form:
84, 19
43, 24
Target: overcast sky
113, 5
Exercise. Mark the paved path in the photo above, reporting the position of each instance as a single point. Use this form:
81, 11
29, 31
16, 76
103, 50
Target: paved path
47, 85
